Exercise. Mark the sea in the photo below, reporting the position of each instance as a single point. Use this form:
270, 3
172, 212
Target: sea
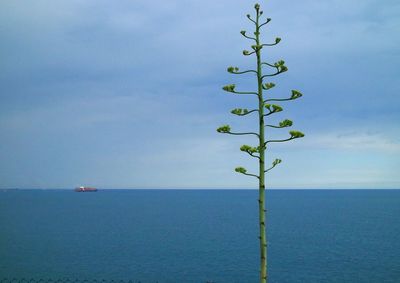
199, 236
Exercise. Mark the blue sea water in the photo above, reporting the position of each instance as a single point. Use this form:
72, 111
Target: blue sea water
188, 236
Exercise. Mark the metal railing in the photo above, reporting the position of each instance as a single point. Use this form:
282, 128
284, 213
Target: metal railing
66, 280
74, 280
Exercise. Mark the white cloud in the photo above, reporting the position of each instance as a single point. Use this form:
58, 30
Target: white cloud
353, 140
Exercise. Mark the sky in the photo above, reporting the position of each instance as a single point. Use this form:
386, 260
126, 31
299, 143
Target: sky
127, 94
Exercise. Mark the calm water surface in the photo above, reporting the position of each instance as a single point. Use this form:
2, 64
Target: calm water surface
187, 236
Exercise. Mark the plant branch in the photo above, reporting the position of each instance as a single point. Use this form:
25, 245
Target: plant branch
272, 108
245, 92
271, 75
295, 94
268, 64
250, 150
276, 162
269, 141
243, 32
269, 113
248, 16
283, 124
293, 135
269, 169
231, 88
251, 175
249, 37
241, 134
280, 68
277, 40
278, 99
251, 154
242, 170
268, 20
242, 112
251, 111
248, 53
248, 71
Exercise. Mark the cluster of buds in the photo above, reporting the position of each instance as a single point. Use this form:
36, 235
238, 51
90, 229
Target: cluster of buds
256, 47
246, 52
285, 123
224, 129
232, 70
241, 170
276, 162
296, 94
273, 108
239, 111
229, 88
249, 149
280, 65
268, 86
296, 134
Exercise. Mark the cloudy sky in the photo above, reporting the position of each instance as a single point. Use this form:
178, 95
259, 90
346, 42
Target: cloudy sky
127, 94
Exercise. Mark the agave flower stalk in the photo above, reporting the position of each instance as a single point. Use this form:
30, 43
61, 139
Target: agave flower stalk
264, 109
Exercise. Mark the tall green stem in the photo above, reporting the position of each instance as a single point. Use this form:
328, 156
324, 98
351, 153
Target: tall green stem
269, 109
261, 190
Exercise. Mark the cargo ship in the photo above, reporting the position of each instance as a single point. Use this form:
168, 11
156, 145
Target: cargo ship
85, 189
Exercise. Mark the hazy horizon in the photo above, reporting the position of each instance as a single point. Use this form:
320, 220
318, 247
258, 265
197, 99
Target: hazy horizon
208, 188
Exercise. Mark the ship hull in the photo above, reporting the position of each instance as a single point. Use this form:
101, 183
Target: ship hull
85, 190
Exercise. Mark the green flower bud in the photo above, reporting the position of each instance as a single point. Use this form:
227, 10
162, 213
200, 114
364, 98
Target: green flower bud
256, 47
268, 86
257, 6
273, 107
245, 52
283, 69
232, 69
285, 123
296, 94
276, 108
296, 134
229, 88
240, 170
245, 147
276, 162
224, 129
248, 148
277, 40
243, 32
237, 111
